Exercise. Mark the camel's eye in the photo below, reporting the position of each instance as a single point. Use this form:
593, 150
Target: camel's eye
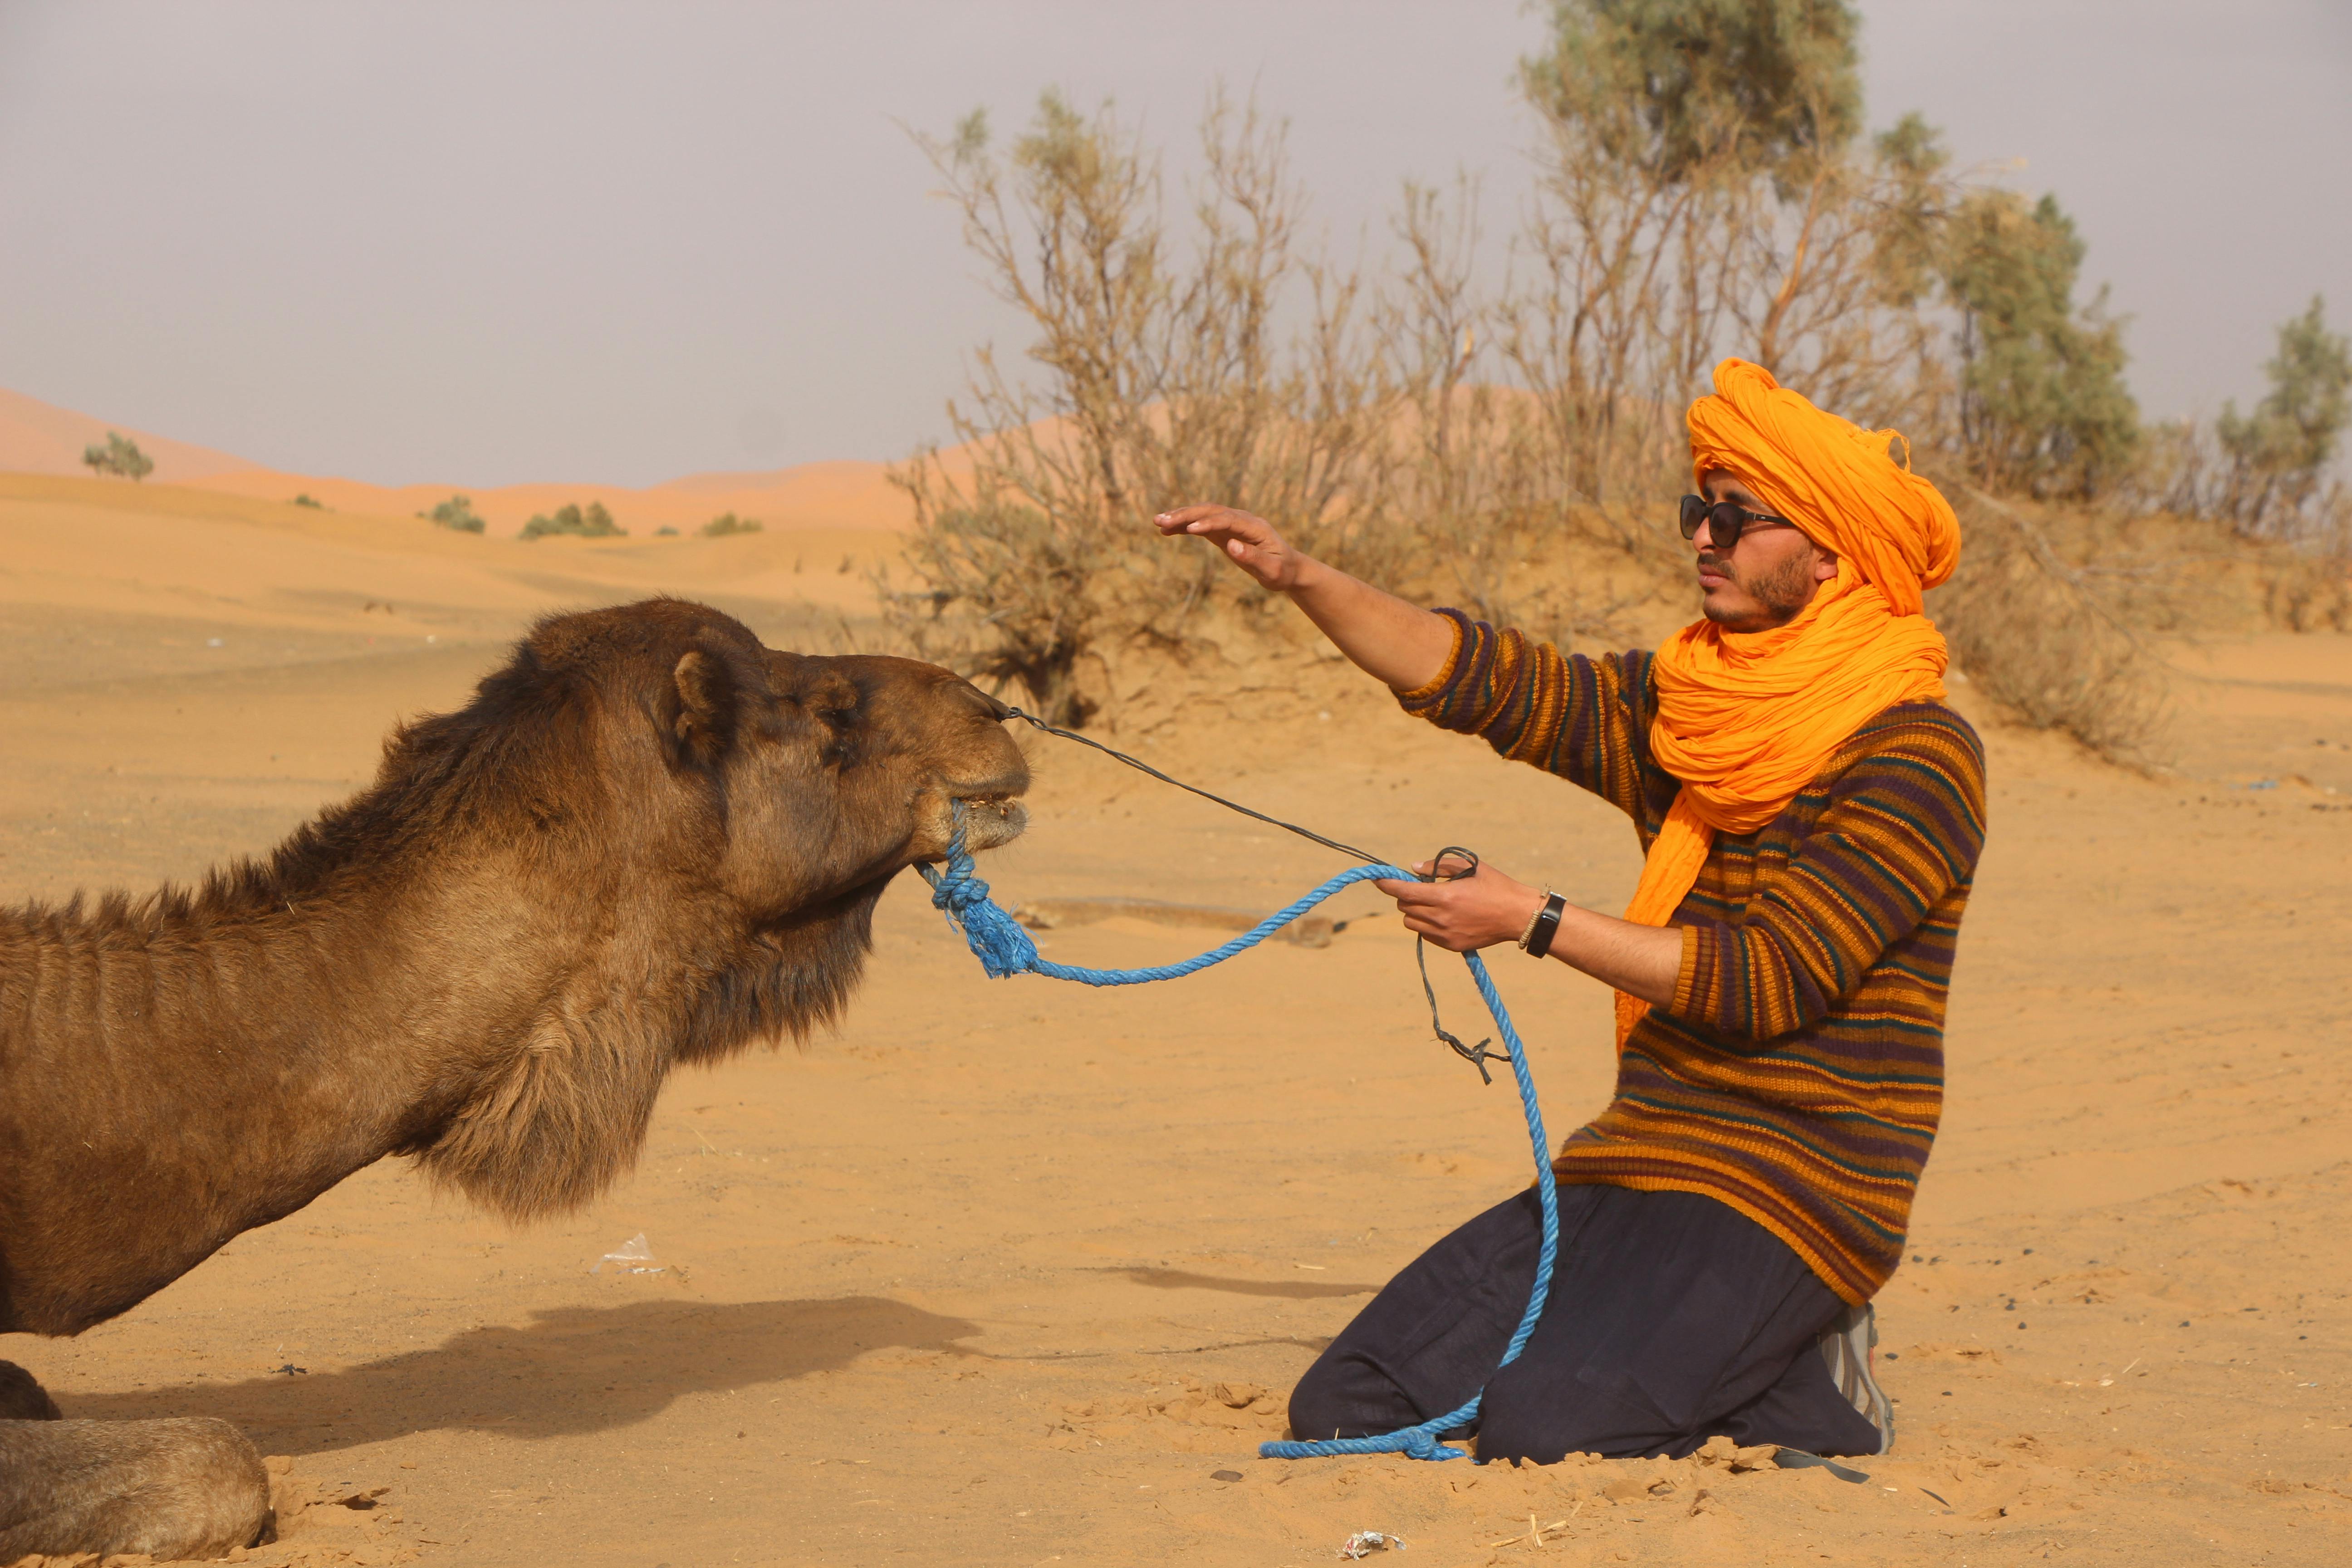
840, 736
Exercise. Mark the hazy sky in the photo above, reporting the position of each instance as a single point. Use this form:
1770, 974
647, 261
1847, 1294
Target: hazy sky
490, 242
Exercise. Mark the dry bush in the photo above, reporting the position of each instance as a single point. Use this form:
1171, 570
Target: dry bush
2044, 641
1477, 498
2308, 584
1165, 379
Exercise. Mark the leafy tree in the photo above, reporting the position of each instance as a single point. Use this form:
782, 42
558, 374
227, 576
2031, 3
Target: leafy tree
2277, 454
118, 456
726, 522
1679, 85
1706, 191
306, 499
457, 512
594, 522
2044, 406
1909, 236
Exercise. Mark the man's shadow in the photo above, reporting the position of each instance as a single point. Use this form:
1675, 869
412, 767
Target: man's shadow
573, 1369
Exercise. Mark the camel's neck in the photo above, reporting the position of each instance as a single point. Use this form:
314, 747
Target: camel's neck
173, 1076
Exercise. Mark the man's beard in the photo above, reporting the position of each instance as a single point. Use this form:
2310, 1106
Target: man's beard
1779, 593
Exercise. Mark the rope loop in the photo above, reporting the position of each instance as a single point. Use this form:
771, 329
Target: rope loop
1004, 949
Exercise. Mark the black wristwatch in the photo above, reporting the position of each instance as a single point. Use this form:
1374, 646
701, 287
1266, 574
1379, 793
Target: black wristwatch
1536, 943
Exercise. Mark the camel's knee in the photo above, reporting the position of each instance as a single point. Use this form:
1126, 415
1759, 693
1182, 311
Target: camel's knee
21, 1398
191, 1487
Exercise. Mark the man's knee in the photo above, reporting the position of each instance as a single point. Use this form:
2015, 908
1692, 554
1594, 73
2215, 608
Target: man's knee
1346, 1396
1319, 1406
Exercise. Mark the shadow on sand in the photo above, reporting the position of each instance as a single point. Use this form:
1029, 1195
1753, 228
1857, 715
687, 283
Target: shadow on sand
572, 1370
1292, 1290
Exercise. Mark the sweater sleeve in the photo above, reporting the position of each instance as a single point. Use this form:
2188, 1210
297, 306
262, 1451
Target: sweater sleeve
1580, 717
1903, 829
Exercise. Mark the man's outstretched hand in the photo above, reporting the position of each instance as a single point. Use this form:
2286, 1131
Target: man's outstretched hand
1250, 542
1400, 643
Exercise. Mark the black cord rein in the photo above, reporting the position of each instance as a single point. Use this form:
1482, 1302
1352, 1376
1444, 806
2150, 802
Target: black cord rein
1441, 870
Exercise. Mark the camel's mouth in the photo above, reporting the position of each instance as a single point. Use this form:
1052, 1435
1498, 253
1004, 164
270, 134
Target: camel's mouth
989, 820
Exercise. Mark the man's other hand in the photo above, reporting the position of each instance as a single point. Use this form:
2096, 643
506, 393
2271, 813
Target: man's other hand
1468, 912
1251, 542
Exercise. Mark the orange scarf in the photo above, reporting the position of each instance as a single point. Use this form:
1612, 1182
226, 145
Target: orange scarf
1747, 718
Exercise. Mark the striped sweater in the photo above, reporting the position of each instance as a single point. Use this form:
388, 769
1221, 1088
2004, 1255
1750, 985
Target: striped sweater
1797, 1074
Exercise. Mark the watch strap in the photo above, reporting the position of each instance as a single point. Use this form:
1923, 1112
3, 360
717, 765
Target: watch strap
1544, 926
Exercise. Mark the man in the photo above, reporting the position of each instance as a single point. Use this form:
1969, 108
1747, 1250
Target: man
1810, 815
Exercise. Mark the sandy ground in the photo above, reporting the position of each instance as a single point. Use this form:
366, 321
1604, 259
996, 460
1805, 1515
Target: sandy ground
1017, 1273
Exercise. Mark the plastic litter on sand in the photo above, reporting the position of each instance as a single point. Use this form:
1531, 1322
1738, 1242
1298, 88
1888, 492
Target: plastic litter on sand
635, 1256
1364, 1543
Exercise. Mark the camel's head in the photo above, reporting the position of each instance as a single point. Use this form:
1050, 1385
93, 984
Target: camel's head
689, 752
899, 745
710, 823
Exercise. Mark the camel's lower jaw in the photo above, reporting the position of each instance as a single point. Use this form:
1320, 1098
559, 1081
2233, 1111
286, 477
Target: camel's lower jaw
990, 823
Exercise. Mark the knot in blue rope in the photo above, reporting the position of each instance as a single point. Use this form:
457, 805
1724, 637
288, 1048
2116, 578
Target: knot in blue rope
1421, 1443
996, 938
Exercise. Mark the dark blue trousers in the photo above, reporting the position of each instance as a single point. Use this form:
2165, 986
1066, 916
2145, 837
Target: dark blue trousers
1673, 1318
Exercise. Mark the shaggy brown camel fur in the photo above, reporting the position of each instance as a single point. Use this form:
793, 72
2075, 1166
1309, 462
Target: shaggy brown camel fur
647, 840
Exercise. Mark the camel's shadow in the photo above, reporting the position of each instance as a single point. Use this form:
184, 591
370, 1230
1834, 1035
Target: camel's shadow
572, 1369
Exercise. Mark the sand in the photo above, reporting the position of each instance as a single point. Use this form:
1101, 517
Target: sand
1013, 1272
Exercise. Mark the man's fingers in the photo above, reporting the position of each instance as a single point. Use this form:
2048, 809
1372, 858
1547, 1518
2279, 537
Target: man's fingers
1201, 519
1437, 933
1180, 520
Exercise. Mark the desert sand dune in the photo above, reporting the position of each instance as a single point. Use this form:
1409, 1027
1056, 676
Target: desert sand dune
37, 438
1015, 1272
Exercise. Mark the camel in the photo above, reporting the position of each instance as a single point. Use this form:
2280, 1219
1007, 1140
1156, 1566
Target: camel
647, 840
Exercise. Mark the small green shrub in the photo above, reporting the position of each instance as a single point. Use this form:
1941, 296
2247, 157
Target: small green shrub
2279, 455
457, 512
306, 499
726, 522
592, 522
118, 456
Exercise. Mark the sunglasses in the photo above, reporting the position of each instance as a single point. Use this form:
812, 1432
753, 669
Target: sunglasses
1726, 521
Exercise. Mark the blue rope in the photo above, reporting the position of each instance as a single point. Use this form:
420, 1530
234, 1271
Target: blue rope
1004, 949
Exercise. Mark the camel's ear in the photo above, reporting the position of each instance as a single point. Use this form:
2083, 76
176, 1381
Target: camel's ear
708, 699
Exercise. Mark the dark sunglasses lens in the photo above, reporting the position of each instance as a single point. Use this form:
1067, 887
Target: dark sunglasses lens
1724, 521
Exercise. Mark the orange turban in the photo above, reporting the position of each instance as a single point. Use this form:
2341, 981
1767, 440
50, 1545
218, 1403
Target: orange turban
1831, 477
1747, 718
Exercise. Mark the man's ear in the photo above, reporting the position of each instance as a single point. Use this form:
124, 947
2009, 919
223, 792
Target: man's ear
1825, 564
708, 699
